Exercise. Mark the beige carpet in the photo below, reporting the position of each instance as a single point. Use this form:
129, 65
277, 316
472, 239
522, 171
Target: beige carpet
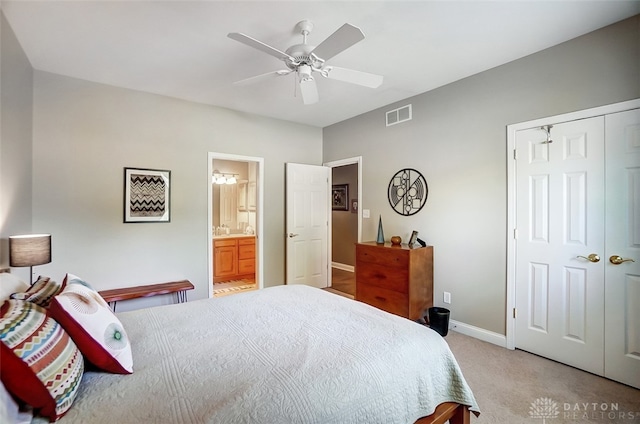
507, 383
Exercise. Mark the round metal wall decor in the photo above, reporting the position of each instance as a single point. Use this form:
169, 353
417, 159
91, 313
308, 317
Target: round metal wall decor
407, 192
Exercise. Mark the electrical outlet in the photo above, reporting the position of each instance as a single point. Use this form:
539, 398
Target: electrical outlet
366, 213
447, 297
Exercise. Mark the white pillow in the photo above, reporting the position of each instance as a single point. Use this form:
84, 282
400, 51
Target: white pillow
9, 412
8, 406
93, 327
10, 284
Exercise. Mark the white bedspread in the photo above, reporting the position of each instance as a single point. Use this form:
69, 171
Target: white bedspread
287, 354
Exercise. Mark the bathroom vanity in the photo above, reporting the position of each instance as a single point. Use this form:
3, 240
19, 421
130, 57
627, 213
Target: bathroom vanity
234, 257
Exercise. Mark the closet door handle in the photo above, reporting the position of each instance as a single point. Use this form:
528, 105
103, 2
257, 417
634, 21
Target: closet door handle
292, 235
617, 260
591, 258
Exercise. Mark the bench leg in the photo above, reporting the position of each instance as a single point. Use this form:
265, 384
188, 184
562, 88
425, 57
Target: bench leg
182, 296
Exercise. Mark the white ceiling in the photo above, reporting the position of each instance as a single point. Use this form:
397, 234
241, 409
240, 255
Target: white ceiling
181, 49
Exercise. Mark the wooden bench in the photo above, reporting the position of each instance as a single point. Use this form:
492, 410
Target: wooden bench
178, 287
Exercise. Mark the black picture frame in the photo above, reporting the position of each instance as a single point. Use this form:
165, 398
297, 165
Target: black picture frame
340, 197
414, 238
147, 195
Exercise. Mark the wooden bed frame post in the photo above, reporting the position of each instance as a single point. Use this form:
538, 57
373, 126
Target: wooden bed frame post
452, 412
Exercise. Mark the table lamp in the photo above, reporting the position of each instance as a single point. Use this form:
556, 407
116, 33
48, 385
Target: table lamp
29, 250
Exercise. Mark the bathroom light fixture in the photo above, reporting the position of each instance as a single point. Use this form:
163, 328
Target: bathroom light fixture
223, 178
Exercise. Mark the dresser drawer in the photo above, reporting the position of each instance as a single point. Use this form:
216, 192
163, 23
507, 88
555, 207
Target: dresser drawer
379, 275
387, 300
246, 266
222, 243
390, 257
246, 251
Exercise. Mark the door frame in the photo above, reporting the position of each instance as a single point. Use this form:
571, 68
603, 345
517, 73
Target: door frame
512, 194
356, 160
259, 213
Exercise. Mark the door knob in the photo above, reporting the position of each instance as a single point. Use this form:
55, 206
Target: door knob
617, 260
591, 258
292, 235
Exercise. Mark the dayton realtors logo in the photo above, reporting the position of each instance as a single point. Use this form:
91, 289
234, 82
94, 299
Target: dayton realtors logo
547, 408
544, 408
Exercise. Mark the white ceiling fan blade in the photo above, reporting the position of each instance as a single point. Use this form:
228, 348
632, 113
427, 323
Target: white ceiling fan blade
354, 77
261, 77
344, 37
252, 42
309, 91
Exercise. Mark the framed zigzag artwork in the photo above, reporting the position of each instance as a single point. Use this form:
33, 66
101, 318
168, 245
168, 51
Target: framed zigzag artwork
147, 195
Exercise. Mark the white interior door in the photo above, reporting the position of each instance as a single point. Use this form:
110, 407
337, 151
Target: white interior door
307, 224
560, 222
622, 297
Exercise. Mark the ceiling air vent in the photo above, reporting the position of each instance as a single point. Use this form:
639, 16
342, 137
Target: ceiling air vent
401, 114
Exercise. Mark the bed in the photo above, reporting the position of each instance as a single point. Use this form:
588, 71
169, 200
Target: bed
286, 354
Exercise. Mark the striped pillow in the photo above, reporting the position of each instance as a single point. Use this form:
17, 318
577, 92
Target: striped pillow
41, 292
39, 363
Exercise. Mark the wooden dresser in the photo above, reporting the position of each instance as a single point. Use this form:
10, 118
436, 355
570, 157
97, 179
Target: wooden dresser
397, 279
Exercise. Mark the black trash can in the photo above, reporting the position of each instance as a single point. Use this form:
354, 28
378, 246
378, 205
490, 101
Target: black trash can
439, 320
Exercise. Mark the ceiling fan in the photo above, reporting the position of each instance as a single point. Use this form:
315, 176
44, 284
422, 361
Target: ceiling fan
304, 60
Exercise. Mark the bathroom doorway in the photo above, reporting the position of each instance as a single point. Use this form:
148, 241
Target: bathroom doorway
235, 223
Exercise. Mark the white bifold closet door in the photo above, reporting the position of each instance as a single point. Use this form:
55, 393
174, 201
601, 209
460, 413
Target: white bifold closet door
622, 242
577, 217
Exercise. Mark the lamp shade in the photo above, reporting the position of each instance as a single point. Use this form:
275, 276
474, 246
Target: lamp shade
29, 250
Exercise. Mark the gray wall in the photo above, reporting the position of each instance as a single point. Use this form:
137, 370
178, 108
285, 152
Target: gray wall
457, 139
16, 98
84, 134
65, 143
69, 180
344, 231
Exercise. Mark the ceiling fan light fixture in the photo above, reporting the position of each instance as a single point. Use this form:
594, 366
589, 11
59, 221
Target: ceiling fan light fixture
304, 72
304, 59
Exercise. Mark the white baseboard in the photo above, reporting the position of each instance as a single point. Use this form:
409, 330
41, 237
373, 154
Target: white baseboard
478, 333
343, 267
